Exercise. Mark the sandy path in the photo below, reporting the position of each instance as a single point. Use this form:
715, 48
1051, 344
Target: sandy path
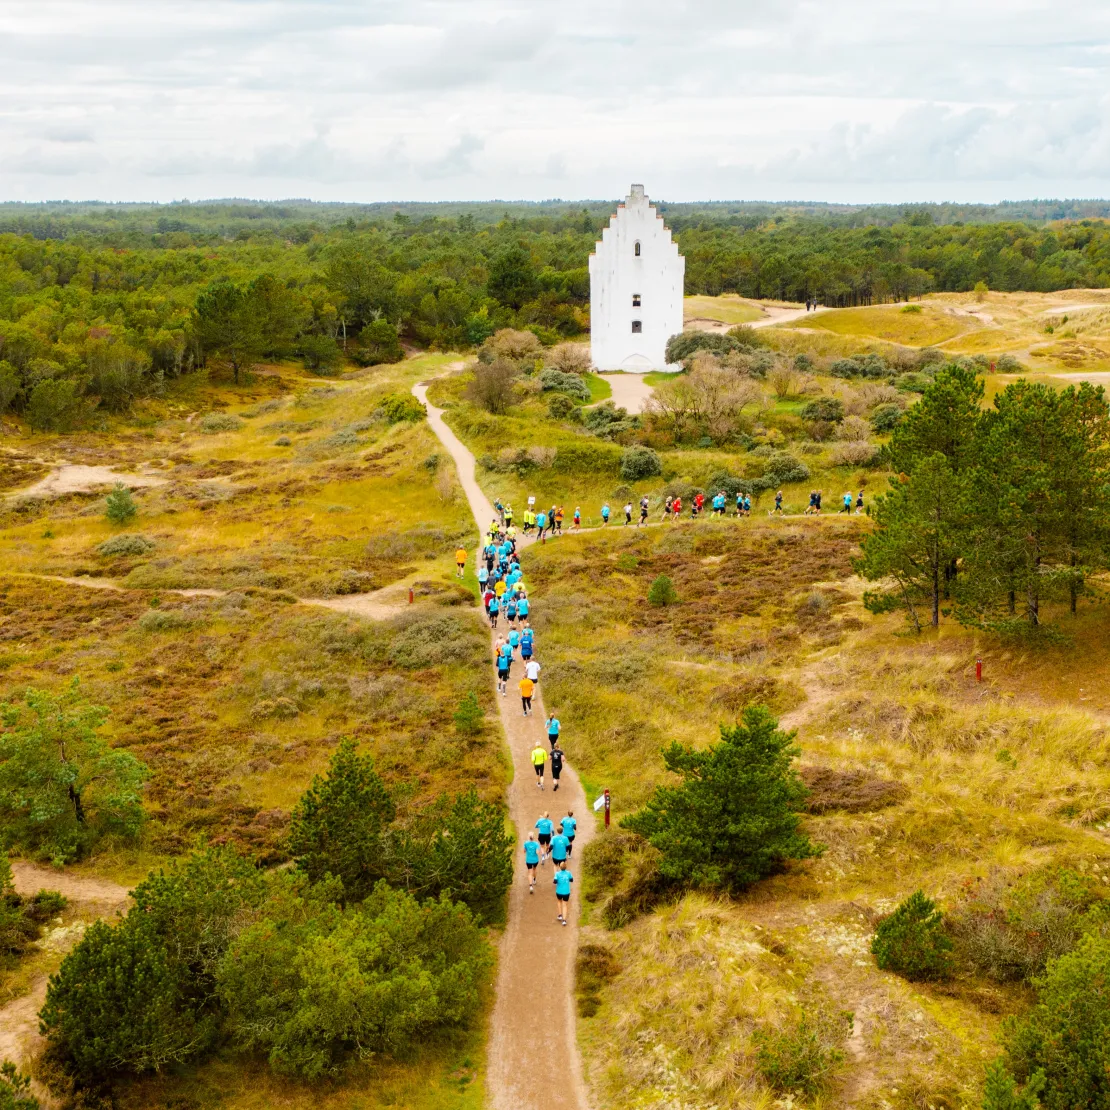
83, 479
630, 391
20, 1039
533, 1060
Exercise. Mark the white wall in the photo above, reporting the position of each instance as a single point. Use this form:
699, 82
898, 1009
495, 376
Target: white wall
617, 275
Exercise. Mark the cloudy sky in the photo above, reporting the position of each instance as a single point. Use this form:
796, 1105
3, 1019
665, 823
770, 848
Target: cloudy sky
365, 100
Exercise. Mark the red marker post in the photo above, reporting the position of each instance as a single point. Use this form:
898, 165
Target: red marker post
978, 670
410, 595
606, 808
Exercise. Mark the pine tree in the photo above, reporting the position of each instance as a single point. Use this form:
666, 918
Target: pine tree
945, 420
919, 527
340, 822
734, 819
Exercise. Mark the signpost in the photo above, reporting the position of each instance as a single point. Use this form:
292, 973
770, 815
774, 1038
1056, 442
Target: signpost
603, 802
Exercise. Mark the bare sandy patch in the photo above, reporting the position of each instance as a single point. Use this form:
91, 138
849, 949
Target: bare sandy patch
75, 478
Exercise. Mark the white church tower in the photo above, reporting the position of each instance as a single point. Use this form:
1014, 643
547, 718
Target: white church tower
636, 285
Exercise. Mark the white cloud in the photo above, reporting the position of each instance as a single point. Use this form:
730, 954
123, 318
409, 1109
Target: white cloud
436, 99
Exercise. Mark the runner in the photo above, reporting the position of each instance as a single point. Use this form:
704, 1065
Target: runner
643, 511
504, 665
539, 758
812, 507
818, 501
508, 518
510, 610
676, 509
460, 561
605, 513
747, 505
500, 511
493, 606
532, 671
531, 860
527, 689
514, 640
562, 882
526, 638
847, 502
483, 578
719, 503
577, 518
522, 603
559, 846
553, 727
778, 503
544, 828
739, 504
628, 513
859, 503
559, 521
699, 501
667, 506
570, 830
556, 767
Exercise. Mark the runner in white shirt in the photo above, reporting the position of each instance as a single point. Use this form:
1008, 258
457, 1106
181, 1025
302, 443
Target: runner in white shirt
532, 670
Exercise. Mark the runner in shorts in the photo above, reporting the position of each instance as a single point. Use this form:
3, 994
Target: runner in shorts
460, 561
553, 727
563, 879
544, 828
526, 640
643, 511
504, 664
531, 860
577, 519
539, 758
556, 766
494, 605
667, 508
570, 830
559, 845
527, 689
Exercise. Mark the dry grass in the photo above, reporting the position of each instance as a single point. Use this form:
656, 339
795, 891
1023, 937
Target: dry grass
728, 309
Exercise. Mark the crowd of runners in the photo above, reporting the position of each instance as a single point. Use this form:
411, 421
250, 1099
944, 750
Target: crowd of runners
508, 608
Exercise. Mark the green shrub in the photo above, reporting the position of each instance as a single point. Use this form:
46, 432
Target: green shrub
320, 354
913, 382
638, 463
126, 545
829, 410
469, 717
119, 505
606, 421
397, 407
1065, 1038
214, 422
735, 817
1010, 929
662, 592
783, 468
1001, 1092
314, 986
15, 1089
339, 823
912, 942
141, 995
885, 418
602, 459
915, 309
378, 343
559, 407
62, 787
803, 1056
163, 620
559, 382
22, 919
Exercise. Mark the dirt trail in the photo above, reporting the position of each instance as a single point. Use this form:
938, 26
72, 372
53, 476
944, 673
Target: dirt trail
20, 1039
630, 391
533, 1060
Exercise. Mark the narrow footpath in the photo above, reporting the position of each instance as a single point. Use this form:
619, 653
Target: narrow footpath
533, 1060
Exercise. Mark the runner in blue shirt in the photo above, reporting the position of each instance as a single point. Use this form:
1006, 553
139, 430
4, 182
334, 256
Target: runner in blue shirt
562, 881
514, 641
494, 605
553, 727
605, 513
504, 665
531, 860
544, 828
747, 505
522, 608
526, 637
541, 524
510, 609
483, 576
559, 846
570, 830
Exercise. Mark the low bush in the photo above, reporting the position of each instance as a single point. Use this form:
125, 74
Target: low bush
559, 407
595, 966
829, 410
119, 505
662, 592
572, 385
15, 1089
214, 422
912, 941
913, 382
862, 366
885, 418
850, 791
601, 459
606, 421
469, 717
915, 309
621, 875
1061, 1048
398, 407
783, 468
126, 545
163, 620
854, 452
804, 1055
639, 462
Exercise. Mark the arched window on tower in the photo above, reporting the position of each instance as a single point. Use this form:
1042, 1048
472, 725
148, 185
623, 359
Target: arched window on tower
637, 252
635, 300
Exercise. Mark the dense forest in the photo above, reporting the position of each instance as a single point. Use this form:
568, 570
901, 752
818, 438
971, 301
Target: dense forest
101, 303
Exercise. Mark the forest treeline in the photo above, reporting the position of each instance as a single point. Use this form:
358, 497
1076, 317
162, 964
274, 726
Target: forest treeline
99, 305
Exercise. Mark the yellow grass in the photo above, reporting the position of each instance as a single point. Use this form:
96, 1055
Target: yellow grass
728, 309
928, 328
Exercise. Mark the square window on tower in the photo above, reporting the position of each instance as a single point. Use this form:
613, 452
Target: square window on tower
635, 300
637, 326
637, 248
